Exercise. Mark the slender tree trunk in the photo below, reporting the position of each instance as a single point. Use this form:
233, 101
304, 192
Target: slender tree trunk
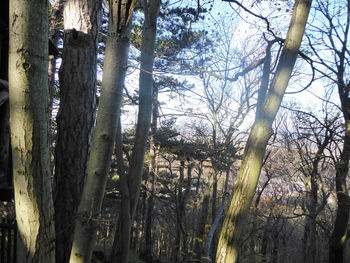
217, 219
199, 244
147, 254
131, 195
28, 78
264, 243
179, 215
212, 251
305, 240
311, 239
261, 131
76, 116
116, 57
274, 248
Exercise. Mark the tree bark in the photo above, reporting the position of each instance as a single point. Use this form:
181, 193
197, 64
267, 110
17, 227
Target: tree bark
28, 78
116, 57
261, 131
131, 195
76, 116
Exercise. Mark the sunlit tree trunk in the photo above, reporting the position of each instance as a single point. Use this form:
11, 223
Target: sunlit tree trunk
131, 191
261, 131
28, 80
116, 57
76, 116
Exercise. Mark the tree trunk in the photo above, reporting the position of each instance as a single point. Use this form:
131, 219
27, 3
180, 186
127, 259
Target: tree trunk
210, 238
199, 243
261, 131
180, 210
339, 234
311, 239
28, 78
129, 202
116, 57
76, 116
147, 254
214, 237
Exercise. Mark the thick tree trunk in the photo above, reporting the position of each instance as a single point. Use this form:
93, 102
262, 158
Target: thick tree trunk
131, 195
76, 116
28, 78
116, 57
261, 131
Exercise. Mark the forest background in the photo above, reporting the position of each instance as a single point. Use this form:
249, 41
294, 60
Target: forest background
159, 114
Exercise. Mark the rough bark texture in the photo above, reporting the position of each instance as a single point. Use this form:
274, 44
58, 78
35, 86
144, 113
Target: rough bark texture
116, 56
261, 131
131, 195
28, 78
76, 116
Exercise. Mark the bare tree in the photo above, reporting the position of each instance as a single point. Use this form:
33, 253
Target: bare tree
328, 41
258, 138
